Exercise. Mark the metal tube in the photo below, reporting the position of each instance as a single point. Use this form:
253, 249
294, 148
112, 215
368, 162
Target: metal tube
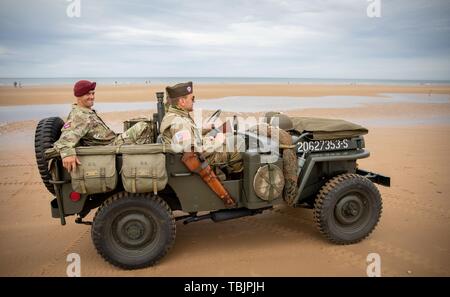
160, 107
57, 188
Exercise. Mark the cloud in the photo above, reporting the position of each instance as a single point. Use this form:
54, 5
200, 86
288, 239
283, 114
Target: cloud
3, 51
298, 38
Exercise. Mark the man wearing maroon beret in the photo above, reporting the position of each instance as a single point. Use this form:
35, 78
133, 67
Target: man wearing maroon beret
85, 128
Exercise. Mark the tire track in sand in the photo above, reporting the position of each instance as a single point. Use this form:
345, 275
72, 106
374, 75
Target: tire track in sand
16, 165
341, 253
22, 184
47, 269
386, 247
408, 257
417, 209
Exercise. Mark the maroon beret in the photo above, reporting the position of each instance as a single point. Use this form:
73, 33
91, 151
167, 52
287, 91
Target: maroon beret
82, 87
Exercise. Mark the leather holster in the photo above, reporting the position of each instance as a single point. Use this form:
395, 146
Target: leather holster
194, 164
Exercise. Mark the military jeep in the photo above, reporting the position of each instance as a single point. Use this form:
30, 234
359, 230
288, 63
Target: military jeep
138, 189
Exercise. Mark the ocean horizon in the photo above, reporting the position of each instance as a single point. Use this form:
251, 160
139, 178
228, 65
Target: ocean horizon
47, 81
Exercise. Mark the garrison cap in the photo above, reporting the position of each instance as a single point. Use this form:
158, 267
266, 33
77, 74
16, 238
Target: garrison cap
180, 90
82, 87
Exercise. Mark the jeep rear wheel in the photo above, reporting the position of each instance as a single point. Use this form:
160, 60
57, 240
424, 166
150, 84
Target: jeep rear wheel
347, 208
47, 132
133, 230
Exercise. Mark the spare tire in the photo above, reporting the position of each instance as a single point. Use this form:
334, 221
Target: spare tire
48, 131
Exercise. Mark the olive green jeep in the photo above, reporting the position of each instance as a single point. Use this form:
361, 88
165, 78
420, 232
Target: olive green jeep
137, 189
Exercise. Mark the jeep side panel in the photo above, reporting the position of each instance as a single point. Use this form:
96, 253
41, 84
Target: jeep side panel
195, 195
192, 192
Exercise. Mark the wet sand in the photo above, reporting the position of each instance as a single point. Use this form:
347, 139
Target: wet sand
136, 93
412, 238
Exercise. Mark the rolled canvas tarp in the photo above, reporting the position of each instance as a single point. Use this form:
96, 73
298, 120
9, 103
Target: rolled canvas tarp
322, 128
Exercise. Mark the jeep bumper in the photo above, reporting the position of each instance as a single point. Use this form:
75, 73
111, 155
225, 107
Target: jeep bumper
375, 177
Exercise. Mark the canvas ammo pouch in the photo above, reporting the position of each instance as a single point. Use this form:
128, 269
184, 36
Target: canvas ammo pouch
143, 173
95, 174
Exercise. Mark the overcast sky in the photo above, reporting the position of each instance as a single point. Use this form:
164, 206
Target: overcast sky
255, 38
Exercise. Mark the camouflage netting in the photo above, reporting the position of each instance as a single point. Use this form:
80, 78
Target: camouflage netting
290, 164
327, 128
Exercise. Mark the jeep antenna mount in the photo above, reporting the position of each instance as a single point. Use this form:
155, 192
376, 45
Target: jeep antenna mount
160, 110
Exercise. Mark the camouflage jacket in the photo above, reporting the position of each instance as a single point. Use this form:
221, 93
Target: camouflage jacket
83, 127
179, 130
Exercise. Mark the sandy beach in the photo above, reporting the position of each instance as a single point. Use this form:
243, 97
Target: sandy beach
413, 237
136, 93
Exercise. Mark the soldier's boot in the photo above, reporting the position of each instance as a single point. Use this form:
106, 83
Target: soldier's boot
193, 163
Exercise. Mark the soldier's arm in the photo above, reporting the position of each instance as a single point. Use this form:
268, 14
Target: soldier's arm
181, 138
180, 134
71, 134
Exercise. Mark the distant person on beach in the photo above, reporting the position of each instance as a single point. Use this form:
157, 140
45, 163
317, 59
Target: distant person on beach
15, 84
85, 128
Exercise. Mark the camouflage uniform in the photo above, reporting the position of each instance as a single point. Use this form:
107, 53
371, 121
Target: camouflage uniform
85, 128
179, 130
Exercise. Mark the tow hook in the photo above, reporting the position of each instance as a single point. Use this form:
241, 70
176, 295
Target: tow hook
80, 221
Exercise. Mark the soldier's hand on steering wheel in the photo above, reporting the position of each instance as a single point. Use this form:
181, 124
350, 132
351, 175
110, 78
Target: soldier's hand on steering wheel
220, 138
207, 127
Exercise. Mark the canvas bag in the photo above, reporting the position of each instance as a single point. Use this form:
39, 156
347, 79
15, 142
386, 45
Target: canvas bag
143, 173
95, 174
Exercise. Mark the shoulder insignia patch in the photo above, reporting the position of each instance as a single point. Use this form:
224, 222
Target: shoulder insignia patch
66, 125
182, 136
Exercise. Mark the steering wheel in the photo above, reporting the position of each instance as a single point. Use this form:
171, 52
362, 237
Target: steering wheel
214, 116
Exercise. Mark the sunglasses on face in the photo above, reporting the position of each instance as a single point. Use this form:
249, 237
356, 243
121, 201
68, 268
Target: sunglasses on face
193, 98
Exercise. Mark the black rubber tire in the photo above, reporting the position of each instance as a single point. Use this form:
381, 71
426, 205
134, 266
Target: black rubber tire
347, 208
47, 132
133, 231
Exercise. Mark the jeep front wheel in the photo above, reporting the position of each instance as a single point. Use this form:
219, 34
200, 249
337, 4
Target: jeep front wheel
133, 230
347, 208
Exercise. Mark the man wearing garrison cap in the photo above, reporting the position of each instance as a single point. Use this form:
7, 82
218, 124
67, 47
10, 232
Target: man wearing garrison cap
84, 127
179, 129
